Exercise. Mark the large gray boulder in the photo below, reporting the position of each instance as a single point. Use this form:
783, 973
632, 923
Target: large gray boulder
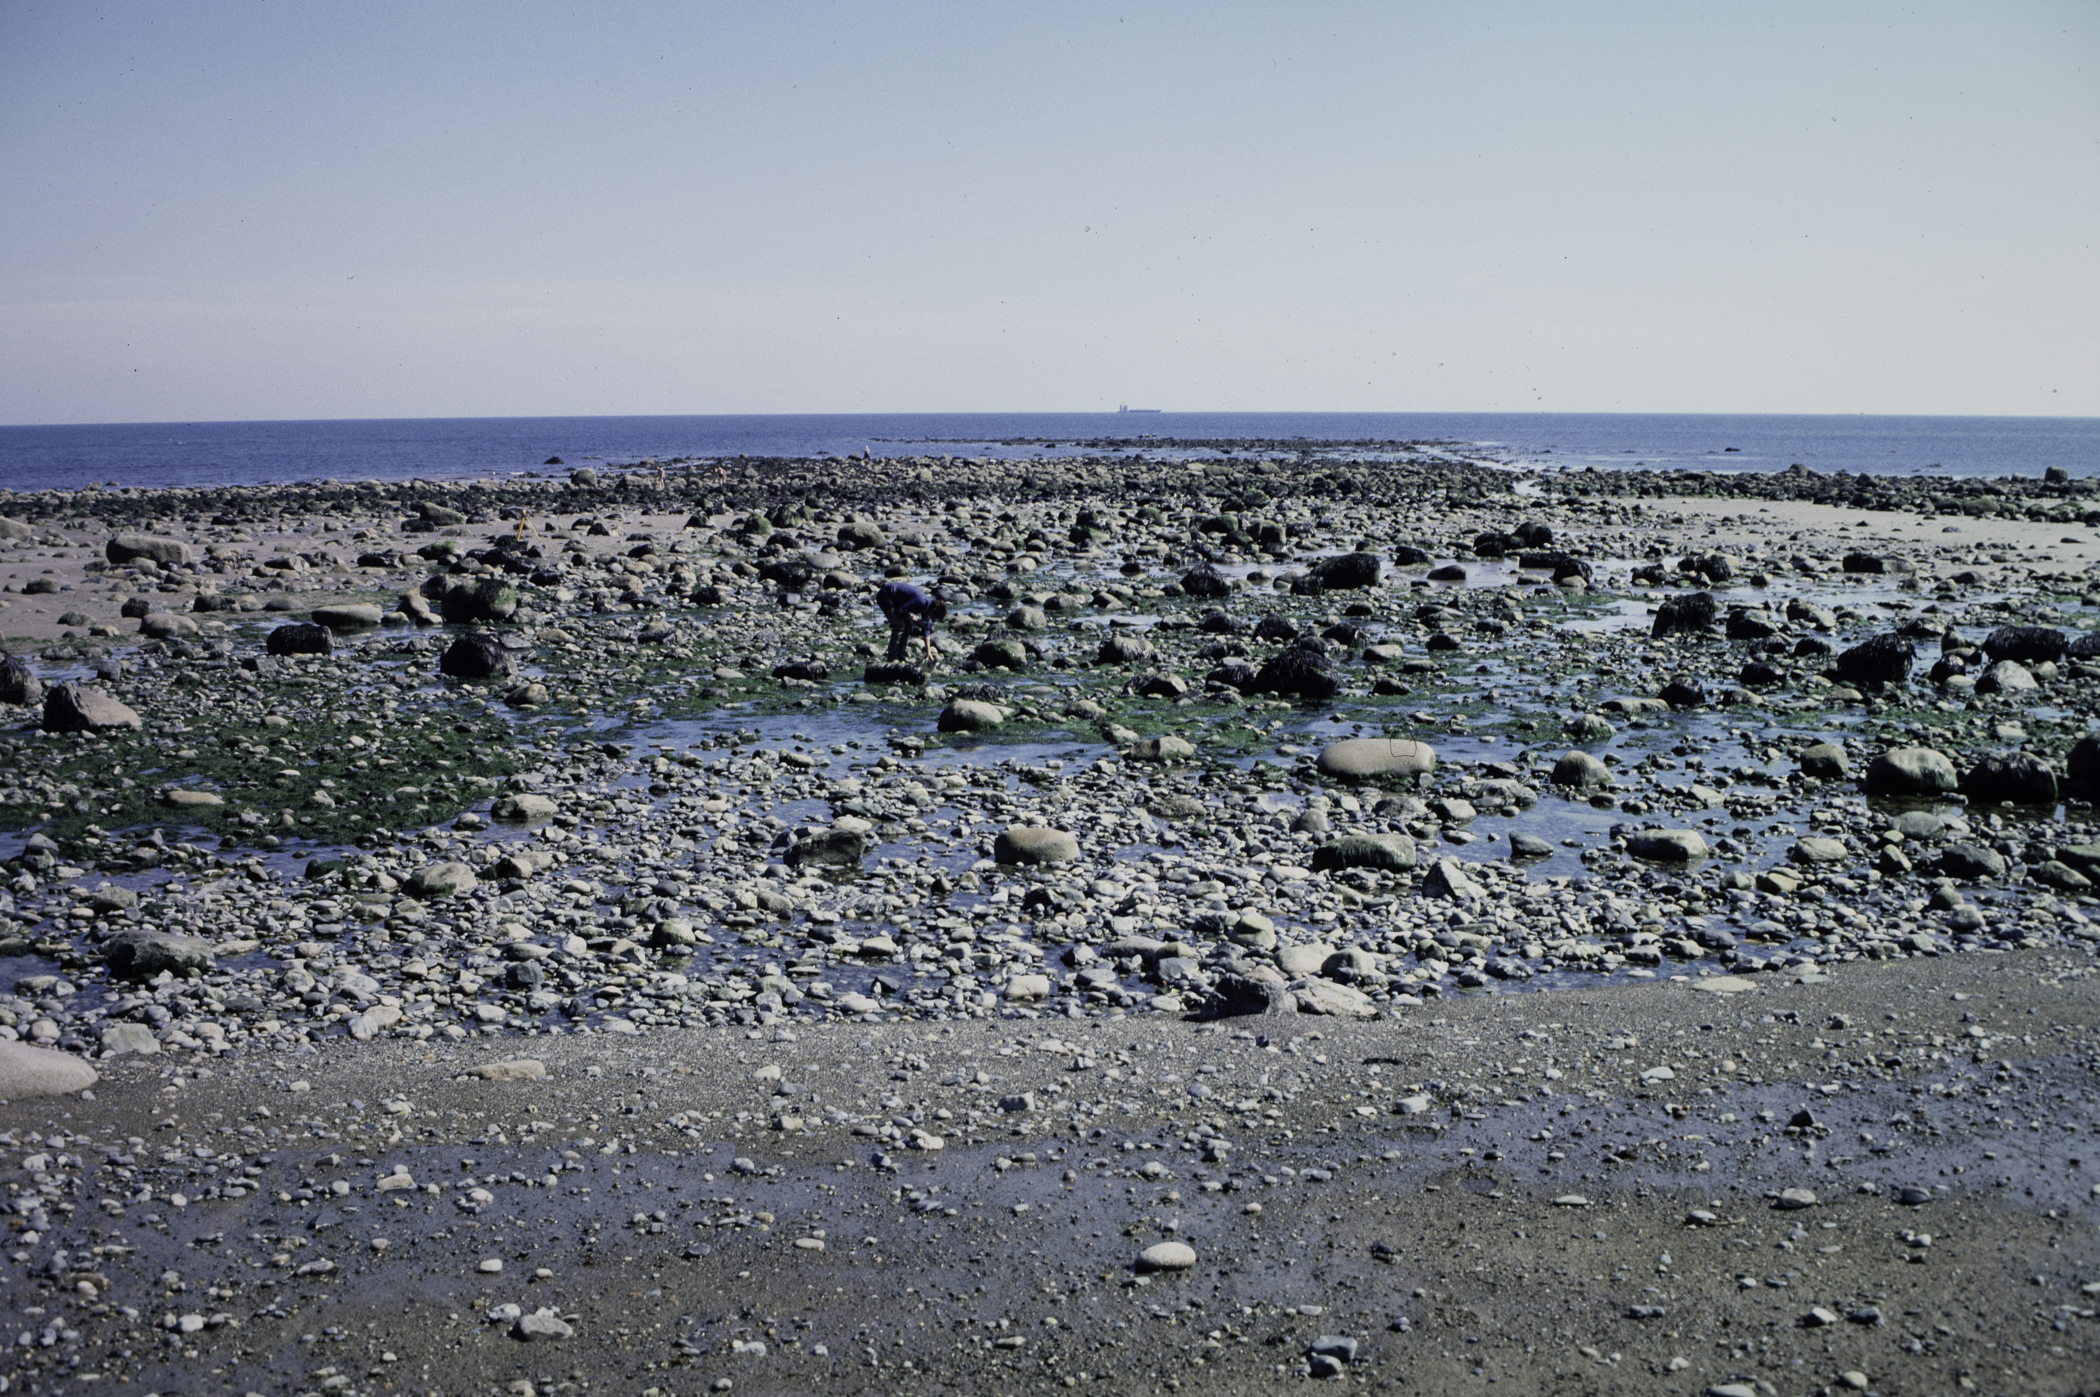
26, 1071
970, 715
434, 880
129, 548
1391, 852
72, 707
828, 848
142, 955
347, 616
18, 682
1581, 771
1667, 845
1034, 844
1911, 771
1372, 758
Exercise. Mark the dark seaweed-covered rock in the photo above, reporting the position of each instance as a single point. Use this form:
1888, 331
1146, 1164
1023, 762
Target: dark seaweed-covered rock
1221, 623
475, 655
1971, 862
1760, 674
1683, 693
1745, 624
2020, 777
1869, 563
1206, 581
1236, 673
811, 671
1881, 659
2026, 644
1307, 584
794, 572
2084, 645
74, 707
893, 674
18, 682
830, 848
1533, 534
1449, 572
1301, 672
1689, 614
1233, 995
490, 599
1406, 555
1561, 565
2082, 766
1350, 571
1125, 650
300, 638
1494, 545
1276, 630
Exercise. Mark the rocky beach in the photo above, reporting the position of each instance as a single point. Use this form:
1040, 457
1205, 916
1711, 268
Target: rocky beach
1333, 913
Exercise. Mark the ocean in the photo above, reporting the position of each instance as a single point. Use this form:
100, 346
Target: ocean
252, 453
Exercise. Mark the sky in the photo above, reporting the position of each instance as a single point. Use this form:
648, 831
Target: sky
261, 209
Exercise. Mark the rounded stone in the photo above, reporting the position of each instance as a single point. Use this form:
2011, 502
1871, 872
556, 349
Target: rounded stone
971, 715
1367, 758
1910, 771
1167, 1256
27, 1072
1034, 844
441, 880
1668, 846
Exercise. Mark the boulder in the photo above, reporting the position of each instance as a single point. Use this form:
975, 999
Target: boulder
1034, 844
970, 715
1391, 852
1691, 614
1125, 650
129, 548
435, 880
349, 616
1233, 994
1683, 693
489, 599
1374, 758
1826, 761
27, 1071
1581, 771
2082, 766
2027, 644
164, 625
1667, 845
1911, 771
142, 955
1001, 653
18, 682
475, 655
861, 534
185, 798
1299, 672
2019, 777
72, 707
2006, 677
1317, 995
1873, 564
522, 805
1166, 748
893, 674
1349, 571
1562, 565
300, 638
1205, 581
1970, 862
1166, 686
828, 848
1881, 659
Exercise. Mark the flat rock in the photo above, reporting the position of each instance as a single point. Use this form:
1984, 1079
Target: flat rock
1034, 844
435, 880
72, 707
514, 1069
1394, 852
26, 1071
1367, 758
142, 955
1668, 846
1167, 1256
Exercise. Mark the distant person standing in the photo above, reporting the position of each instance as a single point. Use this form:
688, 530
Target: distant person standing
912, 612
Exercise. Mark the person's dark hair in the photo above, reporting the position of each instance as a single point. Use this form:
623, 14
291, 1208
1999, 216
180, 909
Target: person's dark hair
938, 611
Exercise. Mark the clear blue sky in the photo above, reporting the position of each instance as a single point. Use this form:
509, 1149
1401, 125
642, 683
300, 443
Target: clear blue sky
270, 209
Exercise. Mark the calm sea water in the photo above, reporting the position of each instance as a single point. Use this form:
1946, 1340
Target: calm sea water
249, 453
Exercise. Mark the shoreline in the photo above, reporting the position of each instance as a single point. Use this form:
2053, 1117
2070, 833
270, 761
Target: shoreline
1130, 808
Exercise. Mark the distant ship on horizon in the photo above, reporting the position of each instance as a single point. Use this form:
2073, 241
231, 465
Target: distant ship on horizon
1126, 407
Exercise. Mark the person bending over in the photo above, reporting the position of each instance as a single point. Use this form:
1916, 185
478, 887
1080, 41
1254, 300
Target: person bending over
912, 612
